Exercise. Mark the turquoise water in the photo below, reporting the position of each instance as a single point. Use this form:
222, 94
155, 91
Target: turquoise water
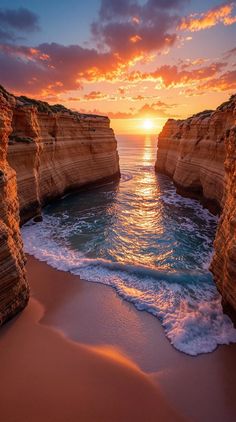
150, 244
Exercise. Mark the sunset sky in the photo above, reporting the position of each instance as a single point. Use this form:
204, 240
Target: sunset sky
139, 61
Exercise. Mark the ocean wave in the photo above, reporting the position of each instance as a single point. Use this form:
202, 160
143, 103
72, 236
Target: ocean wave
186, 302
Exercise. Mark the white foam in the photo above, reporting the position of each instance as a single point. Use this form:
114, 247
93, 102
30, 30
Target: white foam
187, 304
170, 197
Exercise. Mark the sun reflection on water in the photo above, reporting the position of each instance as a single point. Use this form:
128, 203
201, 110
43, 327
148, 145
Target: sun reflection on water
142, 217
147, 151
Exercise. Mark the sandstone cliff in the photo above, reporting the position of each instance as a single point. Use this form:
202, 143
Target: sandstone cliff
14, 291
223, 264
55, 150
45, 151
192, 152
199, 153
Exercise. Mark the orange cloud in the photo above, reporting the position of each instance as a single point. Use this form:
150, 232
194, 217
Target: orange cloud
95, 95
220, 14
225, 82
23, 52
73, 99
171, 76
192, 62
135, 38
52, 68
158, 109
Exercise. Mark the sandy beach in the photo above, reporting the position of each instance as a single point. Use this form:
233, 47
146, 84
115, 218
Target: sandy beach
80, 353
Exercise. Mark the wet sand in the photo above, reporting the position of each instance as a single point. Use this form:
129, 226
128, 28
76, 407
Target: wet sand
79, 352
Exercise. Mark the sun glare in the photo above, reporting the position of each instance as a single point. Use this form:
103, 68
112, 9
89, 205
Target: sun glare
148, 125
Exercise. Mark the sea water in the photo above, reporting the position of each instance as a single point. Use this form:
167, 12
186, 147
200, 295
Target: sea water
146, 241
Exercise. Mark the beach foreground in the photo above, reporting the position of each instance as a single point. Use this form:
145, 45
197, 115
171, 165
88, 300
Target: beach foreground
79, 352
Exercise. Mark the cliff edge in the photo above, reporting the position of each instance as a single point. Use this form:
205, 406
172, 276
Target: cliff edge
199, 154
45, 151
55, 150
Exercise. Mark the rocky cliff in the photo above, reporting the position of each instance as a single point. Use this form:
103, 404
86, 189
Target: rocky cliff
199, 154
14, 291
223, 264
55, 150
45, 151
192, 152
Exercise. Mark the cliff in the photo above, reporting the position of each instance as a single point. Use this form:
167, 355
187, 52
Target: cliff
199, 154
223, 264
14, 291
55, 150
192, 152
45, 151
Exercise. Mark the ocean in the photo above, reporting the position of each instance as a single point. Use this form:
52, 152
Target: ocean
150, 244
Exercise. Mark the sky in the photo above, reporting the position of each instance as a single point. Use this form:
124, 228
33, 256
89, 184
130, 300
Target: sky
138, 61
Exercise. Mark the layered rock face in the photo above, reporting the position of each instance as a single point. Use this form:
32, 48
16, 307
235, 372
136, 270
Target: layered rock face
192, 152
54, 150
45, 151
14, 290
223, 264
199, 154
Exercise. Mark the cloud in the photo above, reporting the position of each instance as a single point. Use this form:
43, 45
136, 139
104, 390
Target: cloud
158, 109
73, 99
95, 95
127, 30
6, 36
13, 21
230, 53
22, 52
131, 30
111, 9
53, 68
116, 9
220, 14
20, 19
226, 82
50, 69
187, 63
168, 76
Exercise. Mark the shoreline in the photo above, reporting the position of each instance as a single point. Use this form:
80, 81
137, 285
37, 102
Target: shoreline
103, 347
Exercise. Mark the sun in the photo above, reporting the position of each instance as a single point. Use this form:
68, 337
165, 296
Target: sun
148, 125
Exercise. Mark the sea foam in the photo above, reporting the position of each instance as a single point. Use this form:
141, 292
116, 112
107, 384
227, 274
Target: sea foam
186, 302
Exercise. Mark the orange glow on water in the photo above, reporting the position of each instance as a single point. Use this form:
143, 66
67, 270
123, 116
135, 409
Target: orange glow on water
146, 218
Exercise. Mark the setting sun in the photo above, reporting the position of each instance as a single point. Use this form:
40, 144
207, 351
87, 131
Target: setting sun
148, 125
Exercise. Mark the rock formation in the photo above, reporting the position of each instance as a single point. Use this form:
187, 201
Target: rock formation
199, 154
14, 291
223, 264
55, 150
45, 151
192, 152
